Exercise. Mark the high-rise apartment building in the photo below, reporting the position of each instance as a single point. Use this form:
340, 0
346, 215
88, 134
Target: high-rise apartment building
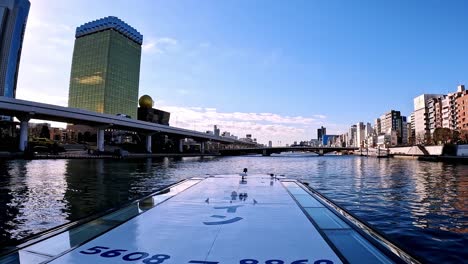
352, 136
360, 134
434, 112
13, 17
105, 70
369, 131
420, 117
378, 126
411, 130
449, 108
462, 112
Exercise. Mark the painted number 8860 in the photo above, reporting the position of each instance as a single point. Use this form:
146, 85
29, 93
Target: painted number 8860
277, 261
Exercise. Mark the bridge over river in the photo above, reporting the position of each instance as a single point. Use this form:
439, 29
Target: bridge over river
267, 151
26, 110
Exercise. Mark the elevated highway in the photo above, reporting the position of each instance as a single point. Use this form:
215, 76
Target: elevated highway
26, 110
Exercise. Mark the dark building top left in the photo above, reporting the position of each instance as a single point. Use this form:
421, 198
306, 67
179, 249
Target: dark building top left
13, 17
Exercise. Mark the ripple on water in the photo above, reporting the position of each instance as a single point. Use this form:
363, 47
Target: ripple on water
421, 205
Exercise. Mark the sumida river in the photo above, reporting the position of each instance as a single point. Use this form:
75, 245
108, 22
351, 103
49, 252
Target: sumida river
421, 205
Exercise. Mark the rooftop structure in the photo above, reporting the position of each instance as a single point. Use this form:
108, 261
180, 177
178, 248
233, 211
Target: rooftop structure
110, 22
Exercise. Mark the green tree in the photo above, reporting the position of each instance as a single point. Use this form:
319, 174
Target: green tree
464, 136
442, 135
455, 136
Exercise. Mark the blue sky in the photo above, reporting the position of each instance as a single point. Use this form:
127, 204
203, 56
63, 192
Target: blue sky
277, 69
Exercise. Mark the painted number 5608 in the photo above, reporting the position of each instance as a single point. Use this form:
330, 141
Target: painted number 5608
155, 259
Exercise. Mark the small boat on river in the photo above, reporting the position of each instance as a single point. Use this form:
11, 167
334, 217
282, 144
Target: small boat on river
222, 219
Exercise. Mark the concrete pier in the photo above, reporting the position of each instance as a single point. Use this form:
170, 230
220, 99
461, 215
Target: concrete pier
148, 144
100, 139
24, 125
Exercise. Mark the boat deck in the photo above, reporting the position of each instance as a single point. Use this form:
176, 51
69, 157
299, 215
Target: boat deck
219, 219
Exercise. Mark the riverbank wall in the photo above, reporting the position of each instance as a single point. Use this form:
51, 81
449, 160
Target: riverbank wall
417, 151
443, 153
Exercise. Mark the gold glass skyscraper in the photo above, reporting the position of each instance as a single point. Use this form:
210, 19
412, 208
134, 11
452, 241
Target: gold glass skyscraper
105, 70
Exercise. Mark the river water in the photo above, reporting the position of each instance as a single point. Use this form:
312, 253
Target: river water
423, 206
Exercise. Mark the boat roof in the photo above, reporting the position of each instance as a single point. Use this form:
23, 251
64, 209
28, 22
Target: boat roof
218, 219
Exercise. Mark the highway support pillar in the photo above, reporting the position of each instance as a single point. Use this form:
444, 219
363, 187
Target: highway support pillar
202, 147
100, 136
100, 139
181, 145
266, 153
148, 143
320, 152
24, 125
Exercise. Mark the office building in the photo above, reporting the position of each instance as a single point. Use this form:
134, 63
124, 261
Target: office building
394, 121
391, 121
320, 133
216, 130
403, 134
13, 17
105, 69
329, 140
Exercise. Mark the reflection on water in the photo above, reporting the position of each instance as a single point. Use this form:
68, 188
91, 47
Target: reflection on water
421, 205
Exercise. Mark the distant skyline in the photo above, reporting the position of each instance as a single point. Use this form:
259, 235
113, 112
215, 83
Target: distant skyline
273, 69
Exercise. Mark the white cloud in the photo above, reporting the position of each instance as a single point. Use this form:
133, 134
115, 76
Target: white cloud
160, 45
44, 73
263, 126
320, 116
43, 97
182, 91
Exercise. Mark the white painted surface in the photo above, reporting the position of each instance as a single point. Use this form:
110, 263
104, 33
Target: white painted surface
434, 150
414, 150
269, 226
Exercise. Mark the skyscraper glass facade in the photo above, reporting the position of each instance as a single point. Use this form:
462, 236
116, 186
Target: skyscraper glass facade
13, 17
106, 67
